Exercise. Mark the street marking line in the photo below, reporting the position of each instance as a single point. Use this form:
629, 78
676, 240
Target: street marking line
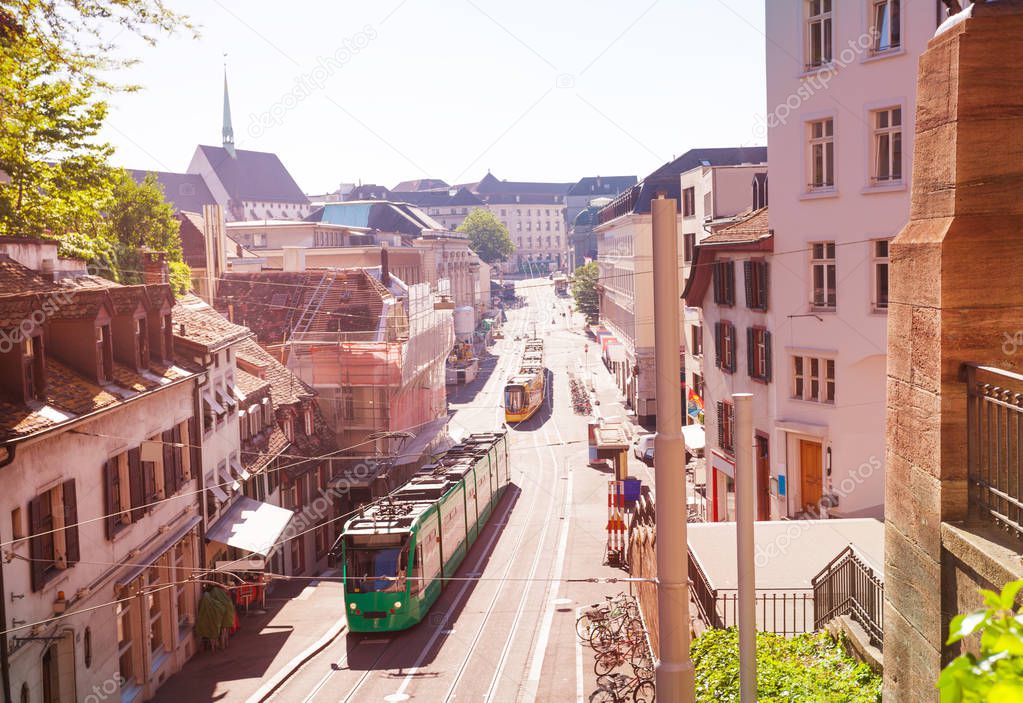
579, 687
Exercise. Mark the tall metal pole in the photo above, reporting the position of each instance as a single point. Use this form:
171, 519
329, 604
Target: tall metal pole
745, 499
674, 673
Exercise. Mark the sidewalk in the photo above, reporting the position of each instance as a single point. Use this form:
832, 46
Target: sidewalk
299, 613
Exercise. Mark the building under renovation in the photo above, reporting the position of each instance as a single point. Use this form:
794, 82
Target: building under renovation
372, 347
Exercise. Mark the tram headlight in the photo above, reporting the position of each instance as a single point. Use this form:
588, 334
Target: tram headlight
352, 606
397, 604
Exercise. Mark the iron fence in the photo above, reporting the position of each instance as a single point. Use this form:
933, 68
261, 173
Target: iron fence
847, 586
994, 437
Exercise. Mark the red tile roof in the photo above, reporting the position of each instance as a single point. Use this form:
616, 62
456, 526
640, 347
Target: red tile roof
198, 323
751, 228
16, 279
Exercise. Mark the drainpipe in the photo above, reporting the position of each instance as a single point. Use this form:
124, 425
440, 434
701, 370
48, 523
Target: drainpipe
5, 663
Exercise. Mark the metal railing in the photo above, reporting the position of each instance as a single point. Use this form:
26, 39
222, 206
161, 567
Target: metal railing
847, 586
994, 426
783, 612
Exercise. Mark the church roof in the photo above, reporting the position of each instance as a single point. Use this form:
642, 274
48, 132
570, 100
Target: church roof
252, 176
185, 191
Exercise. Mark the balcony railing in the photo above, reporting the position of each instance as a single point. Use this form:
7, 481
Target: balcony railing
994, 422
847, 586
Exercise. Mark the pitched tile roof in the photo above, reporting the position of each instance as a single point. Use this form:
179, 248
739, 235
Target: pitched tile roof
185, 191
602, 185
418, 185
285, 387
252, 176
198, 323
751, 228
16, 279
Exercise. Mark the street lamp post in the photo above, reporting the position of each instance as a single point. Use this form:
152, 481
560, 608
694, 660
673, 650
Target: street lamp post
745, 498
674, 672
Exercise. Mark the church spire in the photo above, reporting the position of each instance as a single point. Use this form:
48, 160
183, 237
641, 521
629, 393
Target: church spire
228, 131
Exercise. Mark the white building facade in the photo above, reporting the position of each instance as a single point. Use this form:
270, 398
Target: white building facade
841, 79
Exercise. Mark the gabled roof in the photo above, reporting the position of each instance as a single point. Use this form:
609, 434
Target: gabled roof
185, 191
750, 234
285, 387
602, 185
753, 227
16, 279
253, 176
193, 241
197, 323
418, 185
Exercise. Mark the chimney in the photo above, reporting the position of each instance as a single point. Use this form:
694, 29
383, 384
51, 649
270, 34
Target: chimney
294, 259
154, 268
385, 272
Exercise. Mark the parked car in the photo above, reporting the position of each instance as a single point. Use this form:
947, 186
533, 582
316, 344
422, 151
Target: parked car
643, 447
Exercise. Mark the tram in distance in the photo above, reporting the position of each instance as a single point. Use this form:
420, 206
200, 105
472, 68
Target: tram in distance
397, 554
525, 389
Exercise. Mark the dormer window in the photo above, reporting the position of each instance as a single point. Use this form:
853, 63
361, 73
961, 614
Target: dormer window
308, 422
289, 429
168, 337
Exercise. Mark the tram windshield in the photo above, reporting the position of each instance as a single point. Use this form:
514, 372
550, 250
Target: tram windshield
372, 569
514, 398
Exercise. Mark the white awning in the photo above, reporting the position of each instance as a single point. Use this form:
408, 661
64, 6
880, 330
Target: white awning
214, 405
217, 491
239, 470
694, 436
225, 474
616, 353
250, 526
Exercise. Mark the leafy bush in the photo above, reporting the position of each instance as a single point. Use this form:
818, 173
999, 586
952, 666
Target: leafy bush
812, 668
997, 674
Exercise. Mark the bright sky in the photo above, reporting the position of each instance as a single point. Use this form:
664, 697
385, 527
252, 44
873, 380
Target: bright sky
399, 89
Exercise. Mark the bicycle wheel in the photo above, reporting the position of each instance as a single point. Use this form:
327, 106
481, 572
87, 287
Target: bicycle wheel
583, 626
605, 663
604, 695
642, 666
644, 692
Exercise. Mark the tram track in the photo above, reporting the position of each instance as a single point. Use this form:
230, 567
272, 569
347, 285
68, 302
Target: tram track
500, 589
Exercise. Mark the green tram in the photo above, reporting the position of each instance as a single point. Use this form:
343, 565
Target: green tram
396, 554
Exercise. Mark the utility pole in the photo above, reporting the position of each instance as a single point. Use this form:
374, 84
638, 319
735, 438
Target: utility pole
674, 673
745, 498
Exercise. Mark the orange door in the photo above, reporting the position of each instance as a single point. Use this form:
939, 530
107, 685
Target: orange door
763, 459
810, 482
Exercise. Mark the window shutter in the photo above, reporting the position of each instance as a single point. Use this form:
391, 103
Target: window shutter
721, 424
194, 449
751, 353
170, 477
136, 484
72, 555
732, 361
40, 560
730, 283
718, 361
179, 458
762, 281
767, 356
747, 269
716, 279
112, 498
149, 482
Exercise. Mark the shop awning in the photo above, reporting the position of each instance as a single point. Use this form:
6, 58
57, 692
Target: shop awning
250, 526
616, 352
694, 436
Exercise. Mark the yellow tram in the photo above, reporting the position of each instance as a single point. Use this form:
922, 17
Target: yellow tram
525, 389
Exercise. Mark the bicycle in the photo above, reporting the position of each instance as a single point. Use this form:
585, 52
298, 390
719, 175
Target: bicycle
622, 689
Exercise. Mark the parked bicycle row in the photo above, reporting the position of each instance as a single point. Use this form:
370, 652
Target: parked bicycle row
623, 661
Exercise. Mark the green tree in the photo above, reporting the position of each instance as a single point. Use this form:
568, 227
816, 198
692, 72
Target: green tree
487, 236
71, 33
56, 169
584, 290
138, 215
996, 675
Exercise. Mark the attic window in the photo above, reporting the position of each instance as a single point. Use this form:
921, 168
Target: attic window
168, 337
309, 422
104, 354
142, 342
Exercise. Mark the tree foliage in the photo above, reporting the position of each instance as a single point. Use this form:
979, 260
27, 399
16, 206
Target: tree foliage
584, 290
996, 675
487, 236
71, 33
810, 668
